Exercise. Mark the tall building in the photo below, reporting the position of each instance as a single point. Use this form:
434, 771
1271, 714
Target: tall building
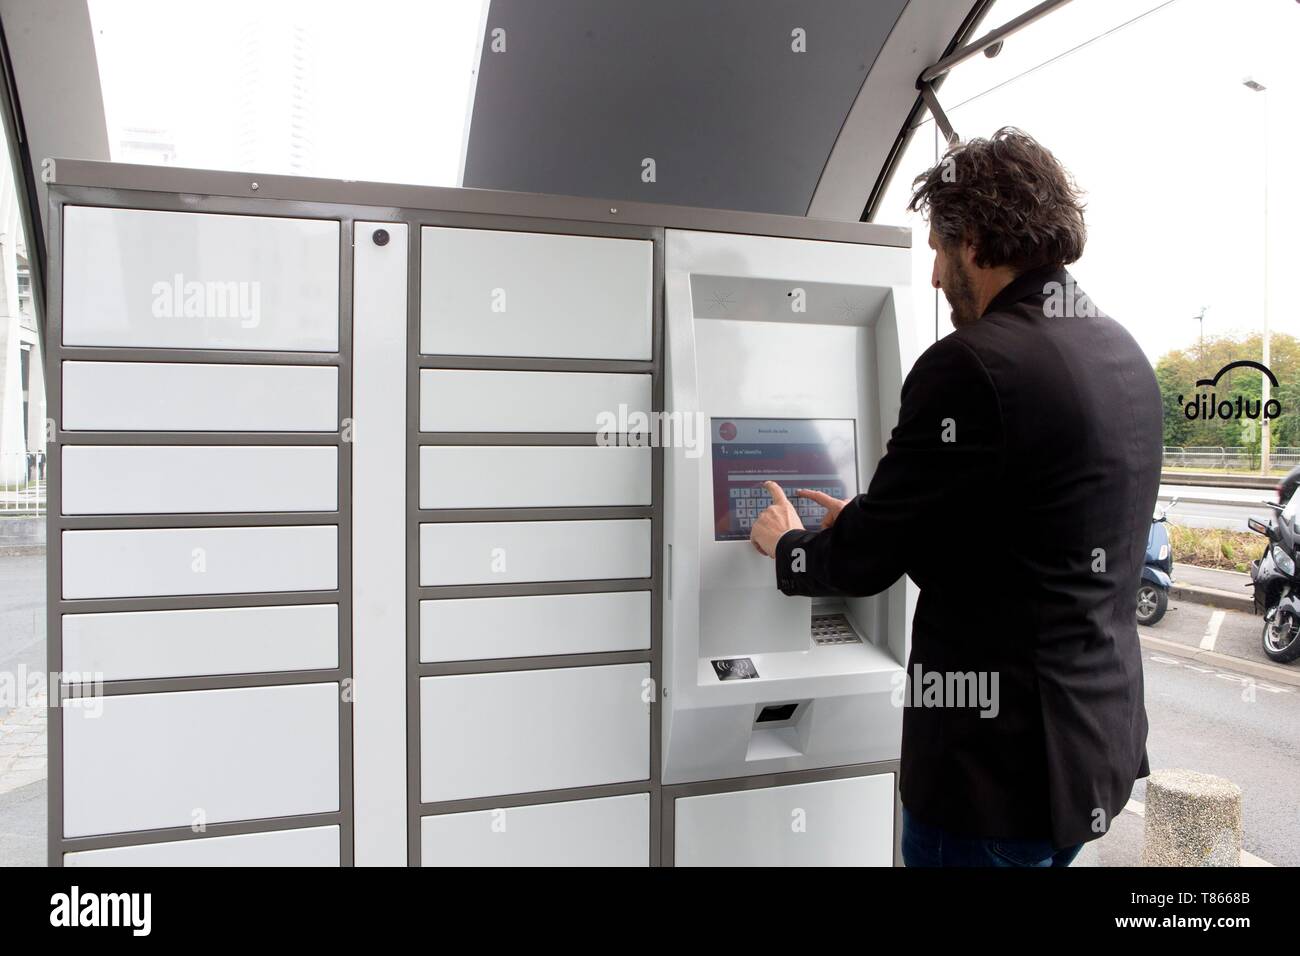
22, 379
275, 104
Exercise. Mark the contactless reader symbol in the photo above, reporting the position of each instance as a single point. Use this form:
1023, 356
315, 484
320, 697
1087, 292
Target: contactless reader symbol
734, 668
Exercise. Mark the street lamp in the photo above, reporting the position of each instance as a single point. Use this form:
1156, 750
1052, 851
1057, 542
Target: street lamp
1256, 87
1201, 319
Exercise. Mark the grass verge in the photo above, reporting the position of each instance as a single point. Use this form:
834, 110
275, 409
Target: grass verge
1215, 548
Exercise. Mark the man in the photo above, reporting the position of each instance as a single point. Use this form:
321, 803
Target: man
1016, 491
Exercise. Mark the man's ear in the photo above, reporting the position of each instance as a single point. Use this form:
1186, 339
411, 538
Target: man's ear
968, 257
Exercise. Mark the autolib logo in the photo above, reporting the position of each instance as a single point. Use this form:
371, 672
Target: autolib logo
1209, 407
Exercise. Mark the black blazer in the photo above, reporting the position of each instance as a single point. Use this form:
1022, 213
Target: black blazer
1017, 492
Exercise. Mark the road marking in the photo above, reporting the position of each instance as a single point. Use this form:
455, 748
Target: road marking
1212, 630
1273, 673
1139, 808
1258, 683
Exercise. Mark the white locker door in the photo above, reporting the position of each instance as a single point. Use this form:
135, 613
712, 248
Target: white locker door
146, 278
609, 831
538, 294
520, 731
464, 400
313, 846
152, 761
499, 552
848, 822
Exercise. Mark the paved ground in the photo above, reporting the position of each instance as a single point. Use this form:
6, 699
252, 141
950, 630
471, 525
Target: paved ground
1216, 720
22, 617
1197, 626
22, 711
22, 826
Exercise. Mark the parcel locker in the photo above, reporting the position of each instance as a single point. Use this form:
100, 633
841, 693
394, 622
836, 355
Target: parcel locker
411, 527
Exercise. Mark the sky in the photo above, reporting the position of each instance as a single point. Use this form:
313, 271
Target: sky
1142, 99
1144, 103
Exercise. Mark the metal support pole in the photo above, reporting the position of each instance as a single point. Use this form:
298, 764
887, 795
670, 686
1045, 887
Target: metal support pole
988, 40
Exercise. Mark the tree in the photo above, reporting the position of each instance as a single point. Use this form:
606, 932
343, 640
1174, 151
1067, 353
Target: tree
1178, 371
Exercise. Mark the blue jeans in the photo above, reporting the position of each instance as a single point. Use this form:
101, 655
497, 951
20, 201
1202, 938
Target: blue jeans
927, 845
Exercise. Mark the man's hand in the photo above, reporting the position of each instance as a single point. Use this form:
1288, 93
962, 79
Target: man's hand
833, 506
776, 519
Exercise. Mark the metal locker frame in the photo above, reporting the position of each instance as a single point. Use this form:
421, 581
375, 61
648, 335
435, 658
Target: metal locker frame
77, 182
63, 194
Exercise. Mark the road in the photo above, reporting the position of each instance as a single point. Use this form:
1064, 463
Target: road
1227, 508
1215, 719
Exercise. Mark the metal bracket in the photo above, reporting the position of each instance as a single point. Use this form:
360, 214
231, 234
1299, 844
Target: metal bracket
991, 41
940, 117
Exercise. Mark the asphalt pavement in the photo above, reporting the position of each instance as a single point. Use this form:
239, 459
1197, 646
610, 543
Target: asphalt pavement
1205, 507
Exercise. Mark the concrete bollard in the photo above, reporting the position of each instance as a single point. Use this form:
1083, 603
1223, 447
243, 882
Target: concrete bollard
1192, 819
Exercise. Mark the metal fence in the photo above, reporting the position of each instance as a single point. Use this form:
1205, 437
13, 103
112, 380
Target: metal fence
22, 483
1229, 457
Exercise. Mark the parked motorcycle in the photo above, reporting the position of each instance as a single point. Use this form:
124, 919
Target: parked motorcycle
1276, 582
1157, 572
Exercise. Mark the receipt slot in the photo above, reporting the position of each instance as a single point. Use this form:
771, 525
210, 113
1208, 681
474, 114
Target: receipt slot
781, 727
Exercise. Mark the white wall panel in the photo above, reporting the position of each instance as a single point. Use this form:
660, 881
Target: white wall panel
379, 543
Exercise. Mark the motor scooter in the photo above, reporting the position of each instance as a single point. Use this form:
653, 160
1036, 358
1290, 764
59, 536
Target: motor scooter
1157, 571
1277, 587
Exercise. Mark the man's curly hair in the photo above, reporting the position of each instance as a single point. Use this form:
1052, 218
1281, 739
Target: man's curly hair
1009, 198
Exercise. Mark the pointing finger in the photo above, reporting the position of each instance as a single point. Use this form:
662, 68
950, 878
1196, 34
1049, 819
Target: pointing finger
778, 496
825, 500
